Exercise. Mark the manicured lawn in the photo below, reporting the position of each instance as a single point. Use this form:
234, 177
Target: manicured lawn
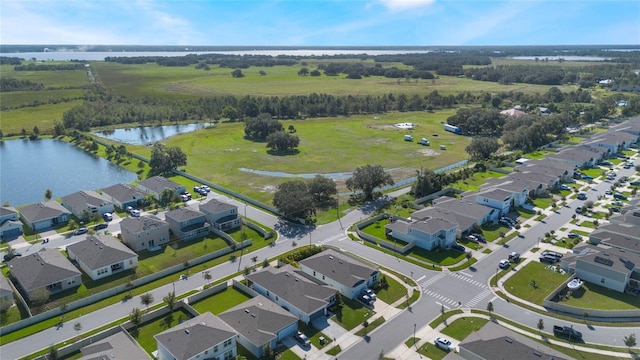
392, 292
11, 315
413, 298
542, 202
177, 253
432, 352
334, 350
352, 314
221, 301
546, 281
492, 231
443, 258
592, 296
537, 155
289, 355
526, 213
144, 334
372, 325
476, 180
593, 172
588, 224
460, 328
411, 342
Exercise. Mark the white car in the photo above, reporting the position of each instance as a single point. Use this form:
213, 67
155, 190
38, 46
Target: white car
135, 213
564, 187
503, 264
444, 344
608, 192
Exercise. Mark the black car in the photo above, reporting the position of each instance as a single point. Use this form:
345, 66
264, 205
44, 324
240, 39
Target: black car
458, 247
100, 226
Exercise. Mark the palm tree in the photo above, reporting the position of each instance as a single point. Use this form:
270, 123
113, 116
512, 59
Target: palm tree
540, 325
146, 299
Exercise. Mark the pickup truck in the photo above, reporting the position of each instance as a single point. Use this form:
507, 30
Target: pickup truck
567, 332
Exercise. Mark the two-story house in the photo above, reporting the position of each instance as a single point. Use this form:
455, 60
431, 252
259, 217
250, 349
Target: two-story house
187, 224
123, 195
144, 233
221, 215
10, 224
156, 185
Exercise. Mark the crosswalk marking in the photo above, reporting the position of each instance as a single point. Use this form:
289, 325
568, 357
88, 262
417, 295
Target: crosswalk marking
473, 302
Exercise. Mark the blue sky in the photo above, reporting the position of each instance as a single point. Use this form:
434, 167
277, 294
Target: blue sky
320, 23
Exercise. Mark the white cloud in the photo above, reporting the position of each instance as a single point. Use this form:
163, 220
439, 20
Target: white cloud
401, 5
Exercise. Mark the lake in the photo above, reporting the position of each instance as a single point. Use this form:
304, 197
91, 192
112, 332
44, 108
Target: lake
147, 134
29, 167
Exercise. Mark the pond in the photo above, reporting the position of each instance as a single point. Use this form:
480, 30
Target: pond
29, 167
148, 134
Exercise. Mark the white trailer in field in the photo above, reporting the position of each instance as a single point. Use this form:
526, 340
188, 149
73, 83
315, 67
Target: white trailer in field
408, 138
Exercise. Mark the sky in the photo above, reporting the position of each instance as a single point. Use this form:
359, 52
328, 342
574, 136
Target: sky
320, 23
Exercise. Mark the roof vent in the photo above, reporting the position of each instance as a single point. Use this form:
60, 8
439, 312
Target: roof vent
330, 257
246, 310
259, 304
508, 339
187, 331
537, 354
253, 315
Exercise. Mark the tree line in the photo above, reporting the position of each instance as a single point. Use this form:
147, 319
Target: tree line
48, 67
10, 84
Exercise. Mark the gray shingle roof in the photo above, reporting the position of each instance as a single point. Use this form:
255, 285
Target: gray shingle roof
47, 266
616, 240
214, 206
123, 192
182, 214
5, 288
609, 258
258, 319
498, 343
7, 210
294, 287
158, 184
195, 336
119, 346
496, 194
466, 206
83, 199
98, 251
464, 222
43, 211
339, 267
142, 223
432, 225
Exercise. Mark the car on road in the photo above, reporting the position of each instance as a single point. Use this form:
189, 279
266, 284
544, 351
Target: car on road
302, 339
444, 344
582, 196
579, 210
608, 192
100, 226
80, 231
503, 264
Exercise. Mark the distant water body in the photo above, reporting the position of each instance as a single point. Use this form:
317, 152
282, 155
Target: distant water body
100, 56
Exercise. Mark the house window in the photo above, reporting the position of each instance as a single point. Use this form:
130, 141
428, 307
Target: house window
314, 273
602, 280
143, 243
322, 277
227, 342
267, 292
215, 348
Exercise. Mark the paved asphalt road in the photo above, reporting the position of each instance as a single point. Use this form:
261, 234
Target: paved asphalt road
439, 288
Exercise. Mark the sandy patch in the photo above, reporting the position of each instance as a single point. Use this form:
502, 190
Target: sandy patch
429, 152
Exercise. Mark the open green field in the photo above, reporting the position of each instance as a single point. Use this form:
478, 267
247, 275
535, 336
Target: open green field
519, 285
50, 79
185, 82
217, 154
24, 98
43, 116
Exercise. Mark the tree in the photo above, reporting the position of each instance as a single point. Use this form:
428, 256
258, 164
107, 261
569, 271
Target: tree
490, 307
53, 353
165, 159
230, 112
281, 142
48, 194
442, 312
482, 148
146, 299
207, 276
322, 190
262, 73
10, 253
630, 341
468, 255
303, 71
540, 325
237, 73
260, 127
135, 316
292, 198
170, 300
77, 327
367, 178
39, 296
267, 353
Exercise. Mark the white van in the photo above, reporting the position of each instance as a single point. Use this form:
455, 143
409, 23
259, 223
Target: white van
408, 138
442, 147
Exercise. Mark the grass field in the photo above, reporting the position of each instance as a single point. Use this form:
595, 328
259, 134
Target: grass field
221, 301
546, 281
145, 332
43, 116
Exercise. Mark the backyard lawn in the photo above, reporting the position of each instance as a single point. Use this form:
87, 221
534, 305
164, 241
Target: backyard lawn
145, 332
492, 231
542, 202
476, 180
460, 328
592, 296
520, 284
221, 301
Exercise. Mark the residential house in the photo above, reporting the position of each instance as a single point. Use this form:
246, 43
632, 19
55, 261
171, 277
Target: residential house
187, 224
47, 269
430, 233
84, 204
550, 168
123, 195
100, 256
614, 141
619, 241
156, 185
498, 199
606, 266
624, 229
302, 295
467, 206
464, 223
44, 215
631, 215
519, 186
223, 216
6, 293
205, 336
493, 341
146, 232
345, 273
119, 346
260, 322
10, 224
581, 156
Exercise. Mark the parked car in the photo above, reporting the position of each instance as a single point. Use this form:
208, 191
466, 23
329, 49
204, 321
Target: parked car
619, 197
608, 192
480, 238
366, 299
617, 203
615, 209
514, 257
582, 196
302, 339
135, 213
547, 259
443, 344
458, 247
579, 210
80, 231
606, 163
574, 236
564, 187
472, 238
587, 177
505, 223
100, 226
635, 183
503, 264
553, 254
8, 257
369, 292
107, 216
